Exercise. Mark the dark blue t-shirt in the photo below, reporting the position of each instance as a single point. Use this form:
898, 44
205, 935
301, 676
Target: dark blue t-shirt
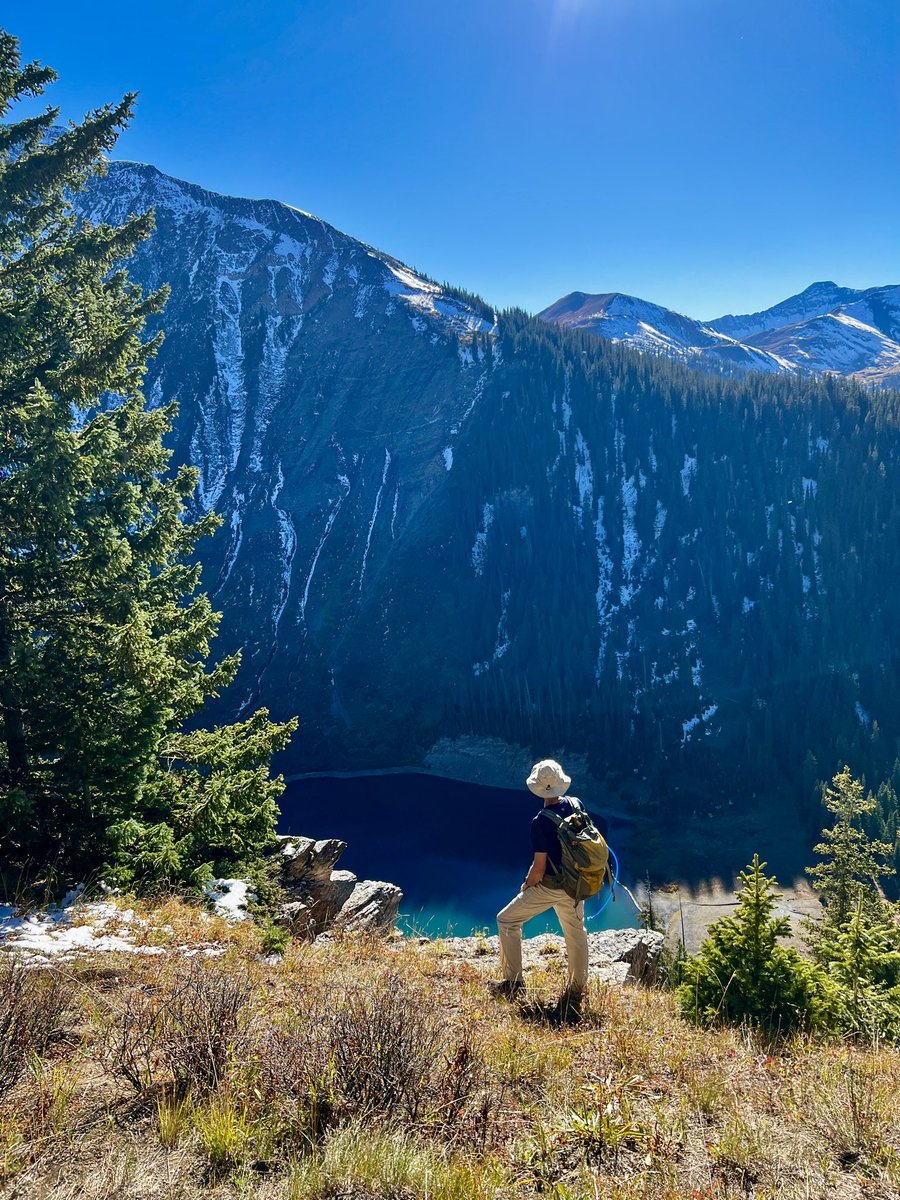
544, 835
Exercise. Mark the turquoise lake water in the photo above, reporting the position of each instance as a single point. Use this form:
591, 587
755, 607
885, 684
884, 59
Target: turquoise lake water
458, 850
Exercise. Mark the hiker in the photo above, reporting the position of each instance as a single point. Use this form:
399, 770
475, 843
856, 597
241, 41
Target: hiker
547, 886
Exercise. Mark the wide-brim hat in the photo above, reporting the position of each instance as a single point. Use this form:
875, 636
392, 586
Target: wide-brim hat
547, 778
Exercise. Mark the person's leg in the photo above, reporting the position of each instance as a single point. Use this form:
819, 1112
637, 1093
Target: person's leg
527, 904
571, 918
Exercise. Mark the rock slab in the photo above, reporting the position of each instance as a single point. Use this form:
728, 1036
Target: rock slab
322, 898
615, 956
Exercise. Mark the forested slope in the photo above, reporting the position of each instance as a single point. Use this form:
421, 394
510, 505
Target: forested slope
444, 521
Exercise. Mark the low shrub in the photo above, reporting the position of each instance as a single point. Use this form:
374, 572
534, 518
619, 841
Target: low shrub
188, 1029
33, 1003
386, 1050
199, 1025
129, 1046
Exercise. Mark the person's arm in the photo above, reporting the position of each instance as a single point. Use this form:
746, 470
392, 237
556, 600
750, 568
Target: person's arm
536, 871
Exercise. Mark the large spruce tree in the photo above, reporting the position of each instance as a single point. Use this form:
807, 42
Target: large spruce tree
104, 635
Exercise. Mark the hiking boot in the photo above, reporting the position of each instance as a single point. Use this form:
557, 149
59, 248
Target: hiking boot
568, 1010
506, 988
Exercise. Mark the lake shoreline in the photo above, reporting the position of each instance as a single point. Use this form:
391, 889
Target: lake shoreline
618, 814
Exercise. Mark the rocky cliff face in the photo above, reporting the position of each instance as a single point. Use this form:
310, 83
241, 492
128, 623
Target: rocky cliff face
322, 390
441, 523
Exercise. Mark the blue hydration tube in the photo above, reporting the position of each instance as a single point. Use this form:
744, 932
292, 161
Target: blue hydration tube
611, 895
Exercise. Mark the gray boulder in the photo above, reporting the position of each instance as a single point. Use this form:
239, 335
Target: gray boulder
638, 950
294, 855
371, 907
328, 896
296, 916
321, 898
323, 859
304, 860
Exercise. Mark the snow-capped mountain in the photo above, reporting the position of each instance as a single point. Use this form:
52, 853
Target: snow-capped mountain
658, 330
814, 301
441, 524
825, 328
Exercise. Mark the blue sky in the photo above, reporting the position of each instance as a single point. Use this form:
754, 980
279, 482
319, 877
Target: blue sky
710, 155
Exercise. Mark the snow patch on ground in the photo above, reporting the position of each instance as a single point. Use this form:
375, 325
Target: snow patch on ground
566, 403
427, 299
688, 727
69, 928
659, 521
75, 927
236, 537
604, 587
394, 509
345, 484
287, 537
631, 541
229, 898
503, 641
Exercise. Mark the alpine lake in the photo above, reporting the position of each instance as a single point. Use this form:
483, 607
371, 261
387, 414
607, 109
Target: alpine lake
459, 851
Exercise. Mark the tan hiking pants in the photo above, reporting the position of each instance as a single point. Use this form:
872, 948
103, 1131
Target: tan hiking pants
531, 903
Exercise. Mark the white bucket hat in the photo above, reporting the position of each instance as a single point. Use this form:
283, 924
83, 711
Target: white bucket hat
547, 778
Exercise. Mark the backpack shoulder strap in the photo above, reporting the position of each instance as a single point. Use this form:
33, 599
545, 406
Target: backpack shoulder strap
557, 820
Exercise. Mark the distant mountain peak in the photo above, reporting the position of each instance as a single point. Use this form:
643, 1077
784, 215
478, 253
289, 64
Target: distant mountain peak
824, 328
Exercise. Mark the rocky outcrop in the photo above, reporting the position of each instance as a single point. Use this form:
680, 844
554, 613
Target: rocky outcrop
616, 956
638, 949
371, 905
322, 898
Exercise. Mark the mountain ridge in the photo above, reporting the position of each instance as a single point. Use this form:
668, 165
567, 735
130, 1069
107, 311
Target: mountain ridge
825, 328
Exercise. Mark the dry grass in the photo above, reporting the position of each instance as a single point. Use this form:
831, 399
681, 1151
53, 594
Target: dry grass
363, 1069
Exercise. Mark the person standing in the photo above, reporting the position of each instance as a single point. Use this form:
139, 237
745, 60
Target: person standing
550, 782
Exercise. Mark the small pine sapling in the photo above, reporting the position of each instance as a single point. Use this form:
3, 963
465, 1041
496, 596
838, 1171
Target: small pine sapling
742, 974
851, 864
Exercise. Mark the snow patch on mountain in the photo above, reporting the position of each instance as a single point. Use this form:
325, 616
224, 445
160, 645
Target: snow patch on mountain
378, 495
480, 546
425, 298
287, 536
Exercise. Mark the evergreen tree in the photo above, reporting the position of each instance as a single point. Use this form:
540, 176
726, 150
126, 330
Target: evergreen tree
862, 957
104, 635
741, 973
851, 864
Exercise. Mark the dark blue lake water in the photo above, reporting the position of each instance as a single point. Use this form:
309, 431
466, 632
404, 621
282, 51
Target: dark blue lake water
458, 850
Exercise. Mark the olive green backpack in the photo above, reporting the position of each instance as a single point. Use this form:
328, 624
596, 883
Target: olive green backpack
584, 859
